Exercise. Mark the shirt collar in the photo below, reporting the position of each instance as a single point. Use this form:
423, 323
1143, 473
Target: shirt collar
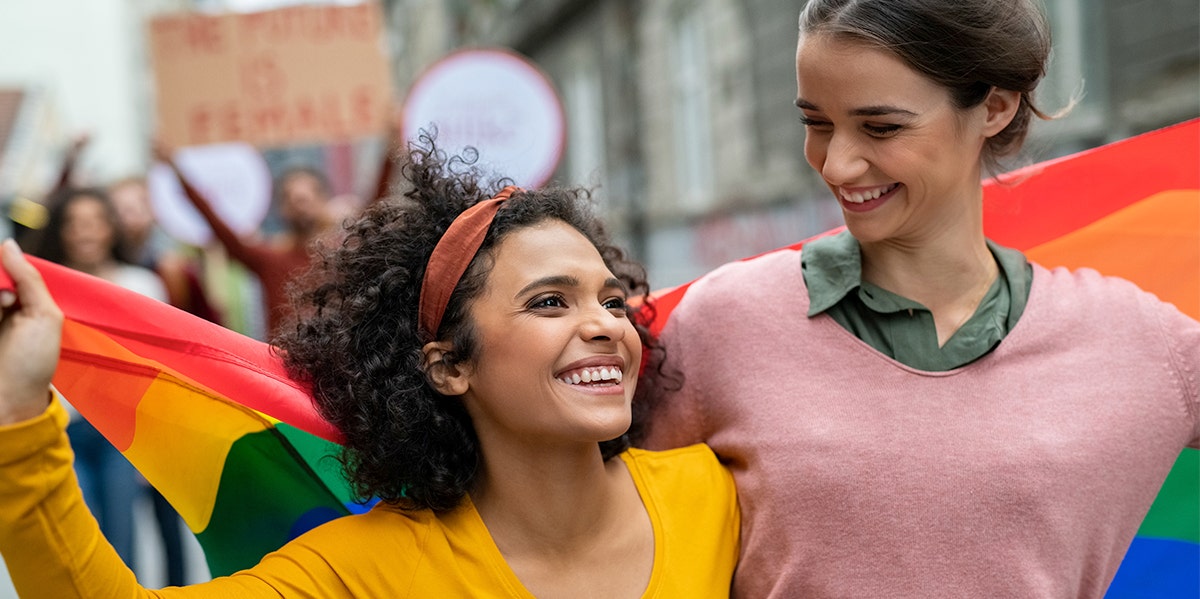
832, 268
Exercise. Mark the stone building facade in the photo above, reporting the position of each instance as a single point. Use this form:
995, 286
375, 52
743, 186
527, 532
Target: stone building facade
680, 111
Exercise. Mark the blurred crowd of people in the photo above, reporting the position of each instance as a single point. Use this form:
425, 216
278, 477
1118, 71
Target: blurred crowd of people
112, 232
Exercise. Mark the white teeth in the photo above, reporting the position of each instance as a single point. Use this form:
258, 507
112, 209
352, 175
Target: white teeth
592, 375
858, 197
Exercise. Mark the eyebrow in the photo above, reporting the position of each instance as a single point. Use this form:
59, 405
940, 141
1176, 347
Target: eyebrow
567, 281
881, 110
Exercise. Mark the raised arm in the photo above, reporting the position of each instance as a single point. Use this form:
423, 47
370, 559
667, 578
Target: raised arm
254, 256
69, 161
384, 183
50, 542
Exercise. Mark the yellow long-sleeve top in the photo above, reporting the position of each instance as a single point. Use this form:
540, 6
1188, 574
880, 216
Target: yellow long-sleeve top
54, 548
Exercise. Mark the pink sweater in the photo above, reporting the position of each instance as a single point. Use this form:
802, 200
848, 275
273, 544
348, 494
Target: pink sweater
1024, 474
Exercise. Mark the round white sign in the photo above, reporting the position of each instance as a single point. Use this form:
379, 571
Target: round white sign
497, 102
233, 177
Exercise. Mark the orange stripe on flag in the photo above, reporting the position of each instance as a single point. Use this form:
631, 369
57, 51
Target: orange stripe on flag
76, 378
1155, 243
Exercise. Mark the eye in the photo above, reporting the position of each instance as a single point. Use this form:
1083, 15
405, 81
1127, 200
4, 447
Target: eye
881, 130
547, 302
616, 304
814, 123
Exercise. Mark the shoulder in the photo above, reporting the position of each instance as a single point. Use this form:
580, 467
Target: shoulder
778, 273
780, 262
692, 497
693, 466
1085, 287
374, 554
141, 280
1083, 301
385, 528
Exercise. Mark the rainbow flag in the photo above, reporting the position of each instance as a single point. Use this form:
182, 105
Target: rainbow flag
211, 419
208, 416
1129, 209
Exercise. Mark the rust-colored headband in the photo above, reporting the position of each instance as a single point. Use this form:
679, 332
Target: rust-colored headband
450, 259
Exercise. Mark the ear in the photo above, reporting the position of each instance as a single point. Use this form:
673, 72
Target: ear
1001, 106
445, 378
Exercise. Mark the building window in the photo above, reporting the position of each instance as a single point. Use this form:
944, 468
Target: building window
585, 126
692, 121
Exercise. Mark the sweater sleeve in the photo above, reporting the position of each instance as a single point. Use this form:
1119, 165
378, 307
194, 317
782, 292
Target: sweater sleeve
676, 419
1183, 342
53, 546
255, 257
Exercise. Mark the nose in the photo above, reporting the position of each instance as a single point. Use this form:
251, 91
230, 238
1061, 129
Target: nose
600, 324
844, 160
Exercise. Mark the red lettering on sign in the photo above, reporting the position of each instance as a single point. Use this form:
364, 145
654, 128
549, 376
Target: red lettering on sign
362, 107
306, 114
204, 34
200, 125
270, 121
229, 121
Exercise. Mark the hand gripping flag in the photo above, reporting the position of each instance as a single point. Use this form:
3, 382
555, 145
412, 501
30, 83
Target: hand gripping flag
211, 419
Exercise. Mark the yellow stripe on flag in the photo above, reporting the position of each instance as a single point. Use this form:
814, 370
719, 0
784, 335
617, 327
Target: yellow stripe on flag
181, 440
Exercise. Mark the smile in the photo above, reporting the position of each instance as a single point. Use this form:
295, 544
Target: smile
858, 197
592, 376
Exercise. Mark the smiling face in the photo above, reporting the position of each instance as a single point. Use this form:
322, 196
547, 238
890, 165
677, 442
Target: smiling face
304, 202
902, 160
132, 202
557, 358
88, 236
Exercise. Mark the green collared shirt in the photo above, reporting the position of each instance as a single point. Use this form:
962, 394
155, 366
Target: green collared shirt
899, 327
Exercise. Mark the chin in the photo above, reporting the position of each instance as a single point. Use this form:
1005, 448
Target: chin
610, 429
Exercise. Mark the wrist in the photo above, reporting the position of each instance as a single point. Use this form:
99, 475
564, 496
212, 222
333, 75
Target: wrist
15, 412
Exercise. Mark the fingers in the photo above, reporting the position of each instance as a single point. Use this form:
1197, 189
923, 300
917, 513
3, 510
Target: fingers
8, 290
162, 151
31, 289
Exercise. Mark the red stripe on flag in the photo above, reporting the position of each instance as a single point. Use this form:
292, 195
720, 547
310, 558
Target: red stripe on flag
1050, 199
227, 363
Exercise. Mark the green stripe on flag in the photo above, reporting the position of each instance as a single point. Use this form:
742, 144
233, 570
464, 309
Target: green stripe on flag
268, 495
1176, 511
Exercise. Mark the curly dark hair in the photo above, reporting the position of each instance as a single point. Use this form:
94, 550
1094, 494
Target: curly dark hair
355, 340
47, 243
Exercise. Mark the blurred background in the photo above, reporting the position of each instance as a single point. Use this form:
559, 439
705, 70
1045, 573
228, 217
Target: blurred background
679, 113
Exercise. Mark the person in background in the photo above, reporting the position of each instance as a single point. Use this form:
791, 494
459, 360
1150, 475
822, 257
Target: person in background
147, 245
307, 213
83, 233
28, 216
909, 409
477, 349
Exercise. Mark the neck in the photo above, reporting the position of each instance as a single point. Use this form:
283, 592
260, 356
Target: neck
938, 265
101, 269
135, 242
948, 274
547, 500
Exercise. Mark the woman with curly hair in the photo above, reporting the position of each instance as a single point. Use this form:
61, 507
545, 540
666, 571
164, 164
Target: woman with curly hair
480, 356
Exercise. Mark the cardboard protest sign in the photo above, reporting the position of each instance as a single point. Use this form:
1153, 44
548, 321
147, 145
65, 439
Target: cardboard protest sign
301, 74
